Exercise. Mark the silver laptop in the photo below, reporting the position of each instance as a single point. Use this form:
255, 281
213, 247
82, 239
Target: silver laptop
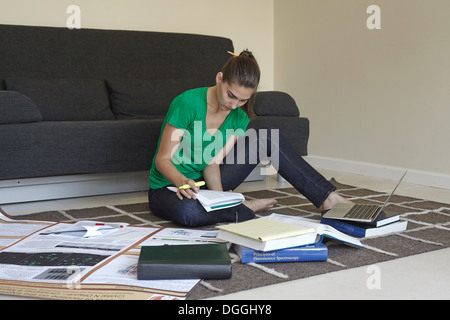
359, 212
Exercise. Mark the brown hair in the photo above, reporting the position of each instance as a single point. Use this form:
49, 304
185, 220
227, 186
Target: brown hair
244, 70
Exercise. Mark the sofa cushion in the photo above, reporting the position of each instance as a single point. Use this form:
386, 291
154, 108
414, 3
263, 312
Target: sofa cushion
275, 103
136, 98
66, 99
17, 108
77, 147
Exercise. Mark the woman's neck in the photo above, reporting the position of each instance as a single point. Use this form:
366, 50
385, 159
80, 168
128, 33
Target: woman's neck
212, 100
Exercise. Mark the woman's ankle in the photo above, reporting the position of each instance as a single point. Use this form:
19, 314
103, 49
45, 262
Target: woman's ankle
332, 200
258, 205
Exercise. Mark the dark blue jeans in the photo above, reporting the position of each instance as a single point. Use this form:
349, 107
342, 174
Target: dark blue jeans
257, 145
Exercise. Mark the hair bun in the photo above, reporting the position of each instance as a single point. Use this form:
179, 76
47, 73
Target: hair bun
247, 53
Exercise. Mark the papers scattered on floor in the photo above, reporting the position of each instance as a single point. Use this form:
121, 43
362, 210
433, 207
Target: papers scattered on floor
86, 229
38, 260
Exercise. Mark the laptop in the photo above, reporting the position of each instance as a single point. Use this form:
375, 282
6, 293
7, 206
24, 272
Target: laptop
359, 212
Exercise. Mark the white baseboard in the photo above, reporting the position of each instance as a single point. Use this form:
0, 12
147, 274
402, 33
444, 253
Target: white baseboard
85, 185
50, 188
430, 179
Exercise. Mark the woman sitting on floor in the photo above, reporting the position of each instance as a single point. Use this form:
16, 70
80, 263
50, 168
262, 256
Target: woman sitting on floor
201, 127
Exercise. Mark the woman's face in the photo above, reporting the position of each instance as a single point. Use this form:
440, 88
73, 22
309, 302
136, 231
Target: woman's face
231, 95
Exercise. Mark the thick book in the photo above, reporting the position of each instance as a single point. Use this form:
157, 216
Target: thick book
202, 261
266, 235
214, 200
315, 252
363, 230
383, 218
313, 232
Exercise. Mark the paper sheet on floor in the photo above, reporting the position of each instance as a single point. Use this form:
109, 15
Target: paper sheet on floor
39, 259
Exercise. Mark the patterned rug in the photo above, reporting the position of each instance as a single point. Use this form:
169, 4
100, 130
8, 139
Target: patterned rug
428, 230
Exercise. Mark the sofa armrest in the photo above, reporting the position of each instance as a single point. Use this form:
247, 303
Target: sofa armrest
275, 103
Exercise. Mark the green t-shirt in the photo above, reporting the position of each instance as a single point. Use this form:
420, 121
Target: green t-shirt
197, 147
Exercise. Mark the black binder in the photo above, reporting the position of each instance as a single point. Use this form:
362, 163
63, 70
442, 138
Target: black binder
202, 261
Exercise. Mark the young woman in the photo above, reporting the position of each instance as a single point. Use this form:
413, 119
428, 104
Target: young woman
201, 127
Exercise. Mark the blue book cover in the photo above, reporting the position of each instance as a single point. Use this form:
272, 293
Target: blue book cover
345, 227
360, 230
315, 252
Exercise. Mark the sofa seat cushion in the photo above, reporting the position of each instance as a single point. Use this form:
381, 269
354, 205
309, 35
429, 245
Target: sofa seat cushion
17, 108
136, 98
66, 99
54, 148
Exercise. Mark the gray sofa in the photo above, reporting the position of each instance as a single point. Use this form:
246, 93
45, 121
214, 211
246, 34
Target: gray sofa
92, 101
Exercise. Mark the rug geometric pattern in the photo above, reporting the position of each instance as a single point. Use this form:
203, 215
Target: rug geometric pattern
428, 230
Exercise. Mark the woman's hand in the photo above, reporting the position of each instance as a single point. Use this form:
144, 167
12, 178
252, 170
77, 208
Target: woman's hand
188, 193
170, 141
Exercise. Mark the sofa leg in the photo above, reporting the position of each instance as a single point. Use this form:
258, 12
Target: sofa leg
280, 178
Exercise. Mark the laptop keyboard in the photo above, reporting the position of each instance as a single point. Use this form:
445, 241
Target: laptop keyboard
362, 212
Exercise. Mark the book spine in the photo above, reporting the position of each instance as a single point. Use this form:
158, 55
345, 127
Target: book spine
344, 227
316, 252
186, 271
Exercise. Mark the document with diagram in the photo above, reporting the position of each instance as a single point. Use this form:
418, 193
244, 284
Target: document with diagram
86, 260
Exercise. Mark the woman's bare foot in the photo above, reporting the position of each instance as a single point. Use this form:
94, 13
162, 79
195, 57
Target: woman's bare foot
258, 205
332, 200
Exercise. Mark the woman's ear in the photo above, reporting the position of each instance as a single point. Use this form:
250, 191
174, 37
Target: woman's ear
219, 77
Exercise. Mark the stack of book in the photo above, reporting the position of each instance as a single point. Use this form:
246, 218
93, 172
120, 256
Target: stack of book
280, 238
384, 223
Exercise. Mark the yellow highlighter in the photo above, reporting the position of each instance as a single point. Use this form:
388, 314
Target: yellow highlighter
198, 184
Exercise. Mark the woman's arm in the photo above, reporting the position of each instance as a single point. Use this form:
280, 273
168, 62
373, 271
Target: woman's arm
170, 140
211, 173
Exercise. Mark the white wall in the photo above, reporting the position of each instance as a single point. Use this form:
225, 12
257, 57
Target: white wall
373, 96
376, 97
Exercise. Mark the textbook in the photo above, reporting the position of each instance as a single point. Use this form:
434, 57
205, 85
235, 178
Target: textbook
247, 233
362, 230
321, 230
384, 218
214, 200
199, 261
243, 233
315, 252
266, 235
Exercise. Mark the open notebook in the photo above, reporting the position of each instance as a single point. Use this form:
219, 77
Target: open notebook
215, 200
